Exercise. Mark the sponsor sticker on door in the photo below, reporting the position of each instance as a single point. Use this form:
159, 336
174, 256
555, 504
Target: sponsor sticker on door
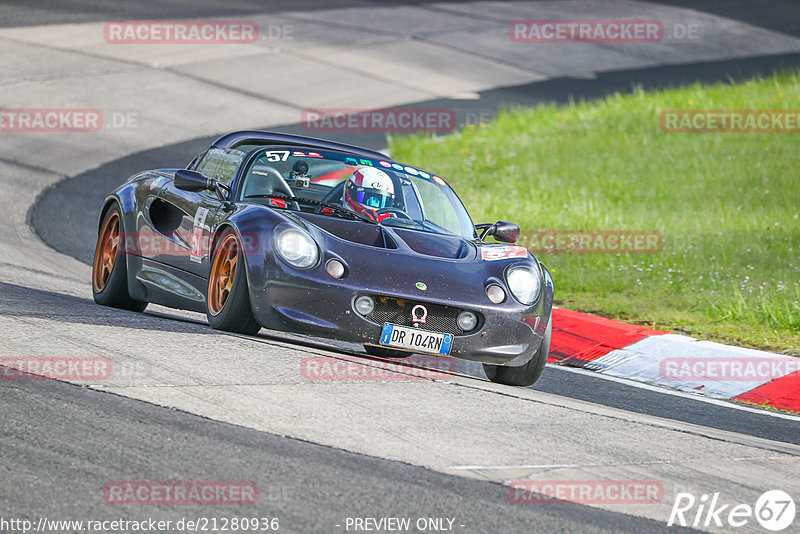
503, 252
196, 254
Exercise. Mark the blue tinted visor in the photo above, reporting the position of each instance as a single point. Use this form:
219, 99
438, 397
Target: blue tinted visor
373, 199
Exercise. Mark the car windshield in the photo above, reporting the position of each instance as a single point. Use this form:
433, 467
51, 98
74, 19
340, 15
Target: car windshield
383, 191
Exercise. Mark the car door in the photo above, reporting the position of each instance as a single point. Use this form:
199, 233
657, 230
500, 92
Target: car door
188, 216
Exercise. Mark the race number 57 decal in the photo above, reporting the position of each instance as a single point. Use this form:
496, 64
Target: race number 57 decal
277, 155
503, 252
196, 254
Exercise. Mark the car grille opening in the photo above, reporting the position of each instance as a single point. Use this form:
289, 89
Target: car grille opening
442, 319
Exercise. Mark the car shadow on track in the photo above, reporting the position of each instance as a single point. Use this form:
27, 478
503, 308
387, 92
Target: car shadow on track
20, 301
25, 302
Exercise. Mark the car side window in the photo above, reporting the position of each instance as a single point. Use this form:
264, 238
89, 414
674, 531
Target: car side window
195, 160
221, 164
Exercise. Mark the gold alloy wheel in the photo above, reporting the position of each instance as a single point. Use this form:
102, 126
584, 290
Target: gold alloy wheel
223, 273
105, 255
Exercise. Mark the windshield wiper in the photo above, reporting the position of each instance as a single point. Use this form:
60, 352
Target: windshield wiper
311, 202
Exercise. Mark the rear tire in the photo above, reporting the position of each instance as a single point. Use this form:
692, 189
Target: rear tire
110, 268
381, 352
228, 300
524, 375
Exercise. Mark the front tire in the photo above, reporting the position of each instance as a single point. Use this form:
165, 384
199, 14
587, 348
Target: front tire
228, 300
109, 268
524, 375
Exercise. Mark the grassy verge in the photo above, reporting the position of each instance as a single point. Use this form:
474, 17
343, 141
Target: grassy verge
728, 205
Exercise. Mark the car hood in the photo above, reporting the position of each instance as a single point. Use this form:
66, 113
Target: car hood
398, 262
446, 247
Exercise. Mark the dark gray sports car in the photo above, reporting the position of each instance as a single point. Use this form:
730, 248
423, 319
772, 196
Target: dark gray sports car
320, 238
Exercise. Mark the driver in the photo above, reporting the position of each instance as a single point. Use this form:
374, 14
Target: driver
367, 191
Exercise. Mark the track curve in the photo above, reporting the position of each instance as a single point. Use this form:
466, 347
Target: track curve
190, 403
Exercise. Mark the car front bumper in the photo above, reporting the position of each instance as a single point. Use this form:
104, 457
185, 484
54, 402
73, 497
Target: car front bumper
506, 335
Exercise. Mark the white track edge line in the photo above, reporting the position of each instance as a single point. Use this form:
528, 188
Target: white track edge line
676, 393
499, 467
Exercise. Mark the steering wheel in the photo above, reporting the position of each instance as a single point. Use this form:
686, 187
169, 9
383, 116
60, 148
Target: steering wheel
396, 211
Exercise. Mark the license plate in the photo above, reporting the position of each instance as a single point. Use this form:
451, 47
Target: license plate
416, 340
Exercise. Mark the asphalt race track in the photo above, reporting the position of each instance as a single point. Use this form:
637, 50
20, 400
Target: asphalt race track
187, 403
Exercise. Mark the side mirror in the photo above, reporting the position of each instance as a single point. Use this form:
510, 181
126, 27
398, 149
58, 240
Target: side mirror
502, 231
193, 181
506, 232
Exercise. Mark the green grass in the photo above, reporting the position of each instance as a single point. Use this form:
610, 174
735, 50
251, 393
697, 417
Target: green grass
727, 203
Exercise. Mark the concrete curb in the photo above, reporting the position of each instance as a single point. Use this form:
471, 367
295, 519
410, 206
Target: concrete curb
674, 361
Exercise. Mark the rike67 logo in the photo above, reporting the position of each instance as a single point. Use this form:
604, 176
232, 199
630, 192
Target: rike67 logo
774, 510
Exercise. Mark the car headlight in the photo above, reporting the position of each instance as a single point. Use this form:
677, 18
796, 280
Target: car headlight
365, 305
467, 321
523, 281
335, 268
495, 293
297, 248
